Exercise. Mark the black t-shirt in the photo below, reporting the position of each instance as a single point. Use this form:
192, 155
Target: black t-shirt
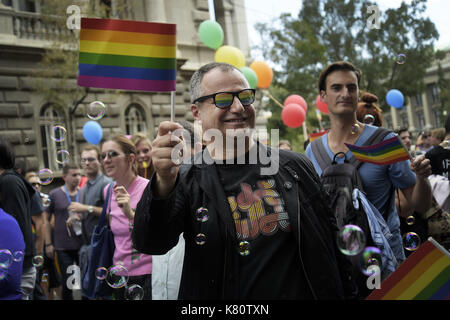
439, 160
270, 268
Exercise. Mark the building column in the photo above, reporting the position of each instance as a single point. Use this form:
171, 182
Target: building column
409, 111
156, 11
394, 118
227, 8
426, 111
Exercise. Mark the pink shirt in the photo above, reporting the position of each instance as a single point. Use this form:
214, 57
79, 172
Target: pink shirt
136, 263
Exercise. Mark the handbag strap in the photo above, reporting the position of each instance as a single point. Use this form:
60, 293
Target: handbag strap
106, 207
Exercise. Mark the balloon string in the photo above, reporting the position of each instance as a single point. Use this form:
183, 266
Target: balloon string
273, 99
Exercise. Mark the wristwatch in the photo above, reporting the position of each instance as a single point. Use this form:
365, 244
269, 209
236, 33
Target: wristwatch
90, 209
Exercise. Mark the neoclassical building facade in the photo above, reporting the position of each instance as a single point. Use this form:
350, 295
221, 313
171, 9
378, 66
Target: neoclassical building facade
27, 119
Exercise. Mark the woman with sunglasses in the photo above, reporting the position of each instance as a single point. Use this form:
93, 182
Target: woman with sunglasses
119, 161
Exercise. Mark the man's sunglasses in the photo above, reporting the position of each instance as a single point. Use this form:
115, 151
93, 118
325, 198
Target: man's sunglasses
224, 100
110, 154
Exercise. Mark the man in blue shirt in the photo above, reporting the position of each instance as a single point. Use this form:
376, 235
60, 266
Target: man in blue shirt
339, 89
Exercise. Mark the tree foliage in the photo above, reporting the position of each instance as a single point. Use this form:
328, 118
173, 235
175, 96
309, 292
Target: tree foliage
326, 31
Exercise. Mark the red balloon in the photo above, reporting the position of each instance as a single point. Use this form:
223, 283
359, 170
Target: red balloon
322, 106
296, 99
293, 115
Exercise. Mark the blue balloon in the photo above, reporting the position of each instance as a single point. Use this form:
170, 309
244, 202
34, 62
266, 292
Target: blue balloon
92, 132
394, 98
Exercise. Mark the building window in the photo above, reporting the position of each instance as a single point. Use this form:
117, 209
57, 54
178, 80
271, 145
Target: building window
404, 118
135, 120
418, 99
434, 91
421, 119
437, 117
53, 132
388, 123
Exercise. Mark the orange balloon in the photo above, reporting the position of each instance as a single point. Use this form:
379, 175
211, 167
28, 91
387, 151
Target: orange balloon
264, 73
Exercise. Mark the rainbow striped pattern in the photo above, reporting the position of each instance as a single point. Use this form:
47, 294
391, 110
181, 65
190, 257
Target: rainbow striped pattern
128, 55
316, 135
386, 152
425, 275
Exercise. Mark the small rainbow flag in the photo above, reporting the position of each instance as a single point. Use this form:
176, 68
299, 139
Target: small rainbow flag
128, 55
386, 152
425, 275
316, 135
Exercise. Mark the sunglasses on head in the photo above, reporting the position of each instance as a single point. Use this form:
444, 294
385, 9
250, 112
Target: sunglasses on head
224, 100
110, 154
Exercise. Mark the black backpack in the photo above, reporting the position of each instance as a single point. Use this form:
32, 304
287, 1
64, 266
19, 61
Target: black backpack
339, 180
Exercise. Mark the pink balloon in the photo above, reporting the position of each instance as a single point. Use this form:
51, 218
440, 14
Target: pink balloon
322, 106
296, 99
293, 115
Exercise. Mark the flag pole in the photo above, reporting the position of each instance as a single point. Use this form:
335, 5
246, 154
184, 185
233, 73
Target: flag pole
212, 13
172, 106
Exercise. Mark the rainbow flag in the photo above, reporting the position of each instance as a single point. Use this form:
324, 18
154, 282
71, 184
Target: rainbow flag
316, 135
386, 152
128, 55
425, 275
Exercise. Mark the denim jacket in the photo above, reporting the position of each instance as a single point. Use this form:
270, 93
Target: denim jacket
389, 244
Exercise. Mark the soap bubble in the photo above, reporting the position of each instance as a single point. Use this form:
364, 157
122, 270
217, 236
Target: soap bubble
44, 277
45, 176
200, 239
5, 258
369, 119
62, 156
244, 248
355, 128
18, 256
410, 220
38, 261
101, 273
3, 273
411, 241
202, 214
96, 110
370, 258
58, 133
135, 292
351, 240
401, 58
446, 144
117, 276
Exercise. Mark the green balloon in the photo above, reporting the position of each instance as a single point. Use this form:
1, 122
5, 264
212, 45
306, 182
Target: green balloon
251, 76
211, 34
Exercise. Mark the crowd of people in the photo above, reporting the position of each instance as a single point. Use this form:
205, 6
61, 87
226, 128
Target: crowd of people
217, 227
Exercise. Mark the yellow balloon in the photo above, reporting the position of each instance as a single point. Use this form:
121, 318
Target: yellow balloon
241, 60
230, 55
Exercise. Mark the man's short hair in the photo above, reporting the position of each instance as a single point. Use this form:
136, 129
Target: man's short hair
69, 166
92, 147
7, 157
400, 130
197, 77
337, 66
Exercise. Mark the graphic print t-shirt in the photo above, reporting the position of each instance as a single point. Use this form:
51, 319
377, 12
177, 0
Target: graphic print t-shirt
271, 267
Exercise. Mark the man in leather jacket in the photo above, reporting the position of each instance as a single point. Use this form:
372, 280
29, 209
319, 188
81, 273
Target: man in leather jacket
251, 232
